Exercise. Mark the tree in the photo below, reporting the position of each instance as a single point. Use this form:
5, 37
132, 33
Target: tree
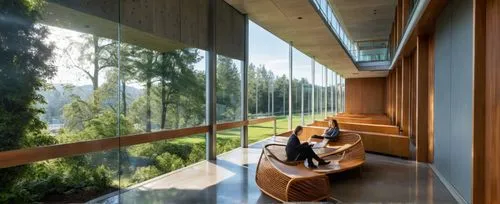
176, 74
252, 89
95, 55
24, 68
126, 72
228, 88
144, 63
281, 92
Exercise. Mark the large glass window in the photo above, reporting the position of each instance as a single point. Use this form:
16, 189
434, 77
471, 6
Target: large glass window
301, 86
267, 78
319, 91
228, 93
70, 73
228, 89
58, 84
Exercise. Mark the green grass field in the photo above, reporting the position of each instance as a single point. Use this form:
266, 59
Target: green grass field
256, 132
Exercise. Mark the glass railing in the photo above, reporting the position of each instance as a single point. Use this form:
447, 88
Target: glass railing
352, 47
373, 50
326, 10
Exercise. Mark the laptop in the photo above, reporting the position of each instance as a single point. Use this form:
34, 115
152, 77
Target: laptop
321, 144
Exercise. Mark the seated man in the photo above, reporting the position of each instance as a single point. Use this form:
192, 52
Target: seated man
331, 132
295, 151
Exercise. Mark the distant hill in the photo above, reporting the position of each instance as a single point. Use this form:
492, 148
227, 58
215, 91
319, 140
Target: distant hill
59, 96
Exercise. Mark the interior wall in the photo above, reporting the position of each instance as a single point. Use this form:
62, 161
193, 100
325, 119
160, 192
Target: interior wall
365, 95
453, 95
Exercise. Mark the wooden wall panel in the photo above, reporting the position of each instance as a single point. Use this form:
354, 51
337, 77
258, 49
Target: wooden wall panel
365, 95
486, 115
394, 92
430, 101
479, 192
400, 87
398, 94
492, 103
405, 96
421, 98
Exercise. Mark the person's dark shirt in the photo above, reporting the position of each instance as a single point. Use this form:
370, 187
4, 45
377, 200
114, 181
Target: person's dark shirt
293, 147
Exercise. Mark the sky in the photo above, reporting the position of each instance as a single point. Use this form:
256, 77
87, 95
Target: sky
264, 49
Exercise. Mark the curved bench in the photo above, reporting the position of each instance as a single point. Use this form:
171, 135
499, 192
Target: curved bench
348, 157
292, 181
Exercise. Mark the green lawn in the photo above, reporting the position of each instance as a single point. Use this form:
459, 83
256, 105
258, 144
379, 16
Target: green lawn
256, 132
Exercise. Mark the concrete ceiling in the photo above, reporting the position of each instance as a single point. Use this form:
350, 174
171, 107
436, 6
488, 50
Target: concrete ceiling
309, 34
366, 19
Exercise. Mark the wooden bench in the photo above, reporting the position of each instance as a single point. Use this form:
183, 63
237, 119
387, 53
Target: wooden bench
287, 183
395, 145
388, 129
390, 144
360, 118
292, 181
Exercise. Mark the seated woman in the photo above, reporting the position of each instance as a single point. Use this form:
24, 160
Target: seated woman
295, 151
331, 133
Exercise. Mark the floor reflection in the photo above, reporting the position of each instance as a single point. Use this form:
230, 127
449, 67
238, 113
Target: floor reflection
231, 179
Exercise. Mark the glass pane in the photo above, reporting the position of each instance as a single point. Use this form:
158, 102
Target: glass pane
228, 140
268, 76
143, 162
318, 91
62, 66
301, 88
228, 89
58, 81
74, 179
260, 131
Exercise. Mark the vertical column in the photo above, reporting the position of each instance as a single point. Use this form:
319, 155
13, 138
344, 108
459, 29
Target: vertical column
244, 90
290, 80
405, 118
256, 96
302, 103
326, 92
393, 96
335, 93
398, 80
421, 100
272, 95
320, 91
313, 62
342, 94
211, 143
269, 97
332, 91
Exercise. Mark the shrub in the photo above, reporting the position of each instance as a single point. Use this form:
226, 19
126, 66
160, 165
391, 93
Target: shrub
167, 162
145, 173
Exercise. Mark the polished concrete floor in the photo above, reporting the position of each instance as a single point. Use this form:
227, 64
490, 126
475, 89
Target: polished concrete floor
231, 179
